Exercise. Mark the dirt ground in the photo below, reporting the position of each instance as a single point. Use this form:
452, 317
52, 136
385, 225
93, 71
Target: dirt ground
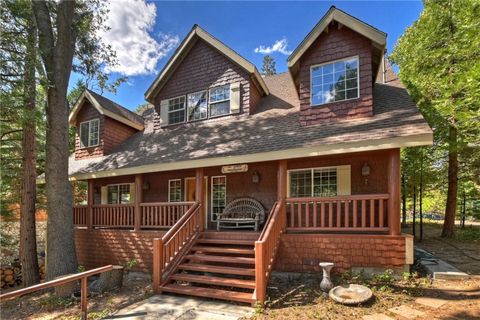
301, 298
463, 251
136, 287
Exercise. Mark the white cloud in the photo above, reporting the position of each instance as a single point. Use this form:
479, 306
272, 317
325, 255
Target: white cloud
279, 46
131, 23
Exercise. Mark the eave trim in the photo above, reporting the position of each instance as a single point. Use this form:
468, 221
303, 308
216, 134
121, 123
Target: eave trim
369, 145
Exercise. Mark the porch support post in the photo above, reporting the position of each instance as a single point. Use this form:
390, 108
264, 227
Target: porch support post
90, 196
394, 191
282, 186
138, 200
200, 195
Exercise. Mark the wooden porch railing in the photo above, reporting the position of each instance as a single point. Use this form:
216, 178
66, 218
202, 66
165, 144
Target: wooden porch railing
359, 213
168, 250
266, 248
80, 215
113, 215
152, 215
57, 282
162, 214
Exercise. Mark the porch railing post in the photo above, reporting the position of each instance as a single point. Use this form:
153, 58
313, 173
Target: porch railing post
260, 276
138, 200
200, 195
282, 187
158, 264
90, 196
394, 191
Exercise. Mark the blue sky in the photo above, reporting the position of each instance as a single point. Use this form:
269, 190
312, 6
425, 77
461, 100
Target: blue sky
243, 26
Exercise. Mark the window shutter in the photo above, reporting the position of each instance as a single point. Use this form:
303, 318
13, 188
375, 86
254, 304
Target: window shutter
104, 195
132, 192
343, 180
235, 97
163, 113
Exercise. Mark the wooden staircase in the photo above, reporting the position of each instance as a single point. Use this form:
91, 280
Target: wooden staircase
218, 265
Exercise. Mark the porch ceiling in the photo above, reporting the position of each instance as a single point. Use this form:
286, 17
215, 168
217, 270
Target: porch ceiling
272, 133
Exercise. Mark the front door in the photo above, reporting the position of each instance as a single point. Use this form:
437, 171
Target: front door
190, 186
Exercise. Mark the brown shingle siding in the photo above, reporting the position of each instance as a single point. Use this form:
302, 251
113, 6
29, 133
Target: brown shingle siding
111, 133
336, 44
203, 68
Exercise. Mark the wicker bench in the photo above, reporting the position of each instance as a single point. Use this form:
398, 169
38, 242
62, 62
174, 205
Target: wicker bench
241, 213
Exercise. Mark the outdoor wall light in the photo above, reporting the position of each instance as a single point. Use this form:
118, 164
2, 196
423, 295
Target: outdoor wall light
366, 172
145, 185
255, 177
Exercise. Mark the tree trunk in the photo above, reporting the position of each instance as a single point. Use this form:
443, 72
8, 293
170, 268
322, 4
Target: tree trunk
421, 197
414, 209
28, 243
451, 208
57, 56
404, 202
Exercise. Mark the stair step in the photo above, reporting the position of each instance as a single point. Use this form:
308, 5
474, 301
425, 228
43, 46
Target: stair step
209, 292
225, 241
223, 250
229, 282
210, 258
216, 269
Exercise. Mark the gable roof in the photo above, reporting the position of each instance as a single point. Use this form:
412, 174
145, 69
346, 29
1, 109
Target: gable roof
108, 108
182, 51
333, 14
272, 133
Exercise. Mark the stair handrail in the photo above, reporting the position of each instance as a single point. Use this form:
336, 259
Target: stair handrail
266, 248
171, 247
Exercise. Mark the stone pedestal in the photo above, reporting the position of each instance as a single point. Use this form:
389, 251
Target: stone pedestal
326, 283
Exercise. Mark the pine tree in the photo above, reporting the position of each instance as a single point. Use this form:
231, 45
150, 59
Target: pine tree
268, 67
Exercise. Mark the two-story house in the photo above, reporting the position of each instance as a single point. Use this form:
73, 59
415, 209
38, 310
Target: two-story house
314, 153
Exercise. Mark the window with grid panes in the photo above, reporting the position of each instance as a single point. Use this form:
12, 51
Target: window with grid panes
175, 190
219, 195
219, 99
320, 182
336, 81
176, 110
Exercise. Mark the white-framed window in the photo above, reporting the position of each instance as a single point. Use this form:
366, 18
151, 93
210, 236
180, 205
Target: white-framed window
197, 106
313, 182
175, 190
89, 133
219, 100
218, 194
334, 81
176, 110
119, 193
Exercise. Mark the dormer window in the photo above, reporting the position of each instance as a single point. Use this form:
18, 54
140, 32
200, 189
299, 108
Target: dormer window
176, 110
334, 81
89, 133
219, 101
197, 106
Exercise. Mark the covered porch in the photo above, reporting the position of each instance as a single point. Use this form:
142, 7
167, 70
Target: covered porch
363, 202
325, 207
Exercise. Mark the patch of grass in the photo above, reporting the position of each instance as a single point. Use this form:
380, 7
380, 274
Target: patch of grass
470, 233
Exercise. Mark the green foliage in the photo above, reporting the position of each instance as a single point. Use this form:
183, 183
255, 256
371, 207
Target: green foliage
130, 264
439, 61
470, 233
52, 302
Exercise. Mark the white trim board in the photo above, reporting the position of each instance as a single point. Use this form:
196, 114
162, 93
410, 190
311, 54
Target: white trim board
359, 146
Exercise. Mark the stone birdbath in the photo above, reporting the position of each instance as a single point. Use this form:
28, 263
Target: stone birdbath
326, 283
350, 294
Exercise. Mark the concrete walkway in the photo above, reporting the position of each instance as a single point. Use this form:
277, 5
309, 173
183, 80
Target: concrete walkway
171, 307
